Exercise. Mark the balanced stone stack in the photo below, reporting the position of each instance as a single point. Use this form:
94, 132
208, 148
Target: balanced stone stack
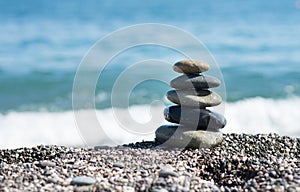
195, 126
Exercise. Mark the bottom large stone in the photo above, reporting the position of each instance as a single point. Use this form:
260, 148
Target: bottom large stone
171, 135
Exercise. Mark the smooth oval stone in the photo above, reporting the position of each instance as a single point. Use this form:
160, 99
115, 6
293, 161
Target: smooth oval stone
194, 81
164, 132
169, 135
202, 119
83, 180
45, 163
194, 98
190, 66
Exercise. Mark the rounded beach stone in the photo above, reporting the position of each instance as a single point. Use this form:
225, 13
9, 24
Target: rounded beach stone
194, 98
194, 81
83, 180
202, 119
190, 66
45, 163
164, 132
178, 137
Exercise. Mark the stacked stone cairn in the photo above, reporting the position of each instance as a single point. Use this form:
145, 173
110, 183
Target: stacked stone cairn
193, 126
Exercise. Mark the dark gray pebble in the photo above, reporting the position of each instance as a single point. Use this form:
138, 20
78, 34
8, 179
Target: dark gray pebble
200, 119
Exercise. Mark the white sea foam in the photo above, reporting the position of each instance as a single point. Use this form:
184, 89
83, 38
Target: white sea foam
19, 129
255, 115
260, 115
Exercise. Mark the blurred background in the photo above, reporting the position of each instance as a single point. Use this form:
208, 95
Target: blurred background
255, 43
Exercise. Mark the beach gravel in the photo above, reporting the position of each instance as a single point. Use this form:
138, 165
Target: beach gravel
262, 162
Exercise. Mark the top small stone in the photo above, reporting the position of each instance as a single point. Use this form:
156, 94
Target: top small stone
190, 67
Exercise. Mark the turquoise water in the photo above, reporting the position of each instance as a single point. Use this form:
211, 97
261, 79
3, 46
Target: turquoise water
255, 43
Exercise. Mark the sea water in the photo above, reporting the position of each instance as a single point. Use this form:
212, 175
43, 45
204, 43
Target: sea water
255, 43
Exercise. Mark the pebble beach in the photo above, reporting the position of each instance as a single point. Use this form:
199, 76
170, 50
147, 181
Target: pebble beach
262, 162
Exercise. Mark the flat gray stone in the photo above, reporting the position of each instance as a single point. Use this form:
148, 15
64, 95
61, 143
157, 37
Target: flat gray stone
119, 165
194, 81
178, 137
200, 119
159, 190
190, 66
46, 163
83, 180
203, 139
193, 98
